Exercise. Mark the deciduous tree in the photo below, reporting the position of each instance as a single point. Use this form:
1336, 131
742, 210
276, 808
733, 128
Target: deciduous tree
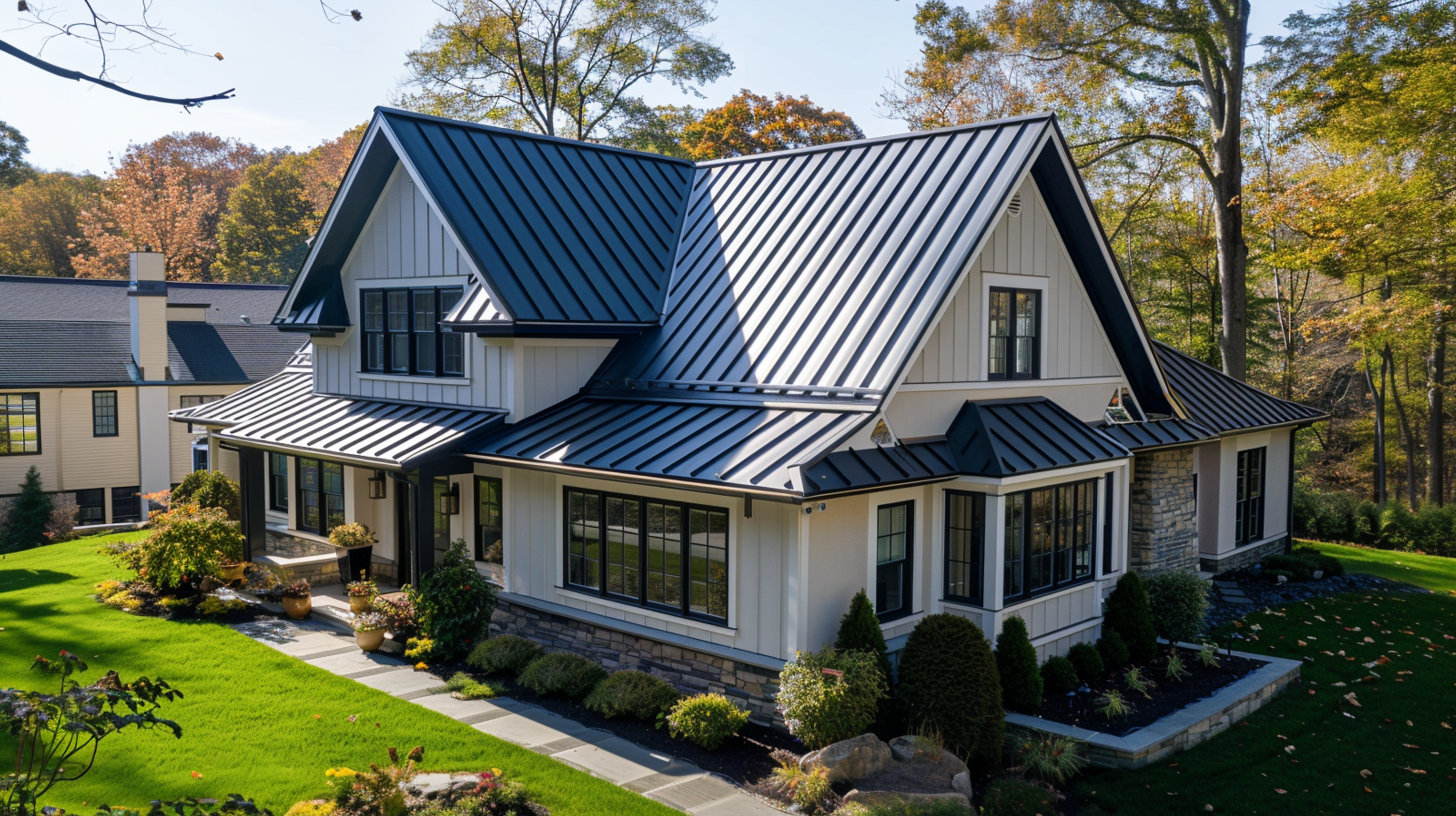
40, 223
746, 124
263, 238
13, 147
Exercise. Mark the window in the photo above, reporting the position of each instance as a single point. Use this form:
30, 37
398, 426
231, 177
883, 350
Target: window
1249, 497
103, 413
1013, 349
441, 526
1049, 537
965, 544
192, 401
320, 495
893, 577
489, 547
199, 457
126, 504
402, 333
277, 481
91, 506
19, 424
662, 555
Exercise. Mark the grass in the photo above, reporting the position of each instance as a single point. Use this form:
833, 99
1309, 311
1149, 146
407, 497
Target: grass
254, 721
1430, 571
1386, 749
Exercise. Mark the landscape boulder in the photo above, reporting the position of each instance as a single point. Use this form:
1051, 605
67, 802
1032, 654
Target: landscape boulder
851, 759
961, 783
887, 799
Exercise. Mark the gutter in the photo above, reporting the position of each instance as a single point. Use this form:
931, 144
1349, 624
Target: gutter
661, 481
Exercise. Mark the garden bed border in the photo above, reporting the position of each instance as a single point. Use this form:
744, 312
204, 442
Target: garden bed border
1180, 730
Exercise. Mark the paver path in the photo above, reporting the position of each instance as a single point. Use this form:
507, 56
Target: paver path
674, 782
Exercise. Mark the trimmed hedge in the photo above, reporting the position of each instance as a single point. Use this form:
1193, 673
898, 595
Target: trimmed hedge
1128, 614
1113, 649
634, 693
569, 675
1016, 663
1059, 676
504, 654
949, 682
1087, 661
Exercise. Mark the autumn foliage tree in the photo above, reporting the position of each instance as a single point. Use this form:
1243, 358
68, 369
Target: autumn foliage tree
746, 124
40, 220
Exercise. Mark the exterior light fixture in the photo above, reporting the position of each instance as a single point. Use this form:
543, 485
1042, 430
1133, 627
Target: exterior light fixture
450, 501
376, 485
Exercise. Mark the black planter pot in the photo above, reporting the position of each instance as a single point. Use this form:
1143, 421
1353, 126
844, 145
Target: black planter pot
357, 560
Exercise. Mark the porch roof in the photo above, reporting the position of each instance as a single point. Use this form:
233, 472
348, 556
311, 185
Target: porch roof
1223, 404
283, 413
1156, 433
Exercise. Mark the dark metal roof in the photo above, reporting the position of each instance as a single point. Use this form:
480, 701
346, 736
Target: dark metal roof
725, 446
1223, 404
1000, 438
1156, 433
475, 311
825, 267
283, 413
881, 466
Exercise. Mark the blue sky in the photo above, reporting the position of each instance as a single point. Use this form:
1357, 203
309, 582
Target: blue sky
301, 79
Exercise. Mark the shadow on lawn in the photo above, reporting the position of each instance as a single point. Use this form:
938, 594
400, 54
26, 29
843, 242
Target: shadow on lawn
12, 580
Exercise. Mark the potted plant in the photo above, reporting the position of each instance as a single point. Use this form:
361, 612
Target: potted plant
357, 542
297, 598
369, 630
232, 573
361, 593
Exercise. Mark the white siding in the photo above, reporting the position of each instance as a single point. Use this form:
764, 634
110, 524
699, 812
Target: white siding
552, 373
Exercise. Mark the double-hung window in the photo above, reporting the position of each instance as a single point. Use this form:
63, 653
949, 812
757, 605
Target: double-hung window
662, 555
320, 495
91, 506
1249, 497
19, 424
1049, 538
489, 547
402, 333
1013, 347
894, 578
277, 481
965, 546
103, 413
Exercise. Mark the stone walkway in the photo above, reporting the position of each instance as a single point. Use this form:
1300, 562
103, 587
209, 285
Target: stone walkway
673, 782
1230, 592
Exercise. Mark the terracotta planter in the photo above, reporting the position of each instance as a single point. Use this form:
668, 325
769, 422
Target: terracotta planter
231, 572
370, 641
360, 603
297, 608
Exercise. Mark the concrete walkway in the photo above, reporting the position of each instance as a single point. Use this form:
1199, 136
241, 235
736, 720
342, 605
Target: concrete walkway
674, 782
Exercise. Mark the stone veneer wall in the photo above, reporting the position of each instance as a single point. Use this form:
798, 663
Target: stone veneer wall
1164, 512
692, 672
1247, 557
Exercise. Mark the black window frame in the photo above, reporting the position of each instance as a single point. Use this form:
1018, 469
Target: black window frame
1010, 338
277, 490
906, 564
379, 346
126, 504
13, 404
300, 492
94, 499
970, 521
1249, 528
490, 506
101, 414
687, 583
1055, 560
194, 400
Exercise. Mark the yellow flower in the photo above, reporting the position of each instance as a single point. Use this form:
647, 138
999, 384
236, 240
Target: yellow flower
340, 772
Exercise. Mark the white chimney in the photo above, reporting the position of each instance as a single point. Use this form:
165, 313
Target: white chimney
148, 296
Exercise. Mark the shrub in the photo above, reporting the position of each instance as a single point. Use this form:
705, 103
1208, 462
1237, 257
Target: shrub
1016, 661
454, 603
949, 683
859, 630
1087, 661
1128, 614
634, 693
210, 489
351, 535
504, 654
822, 708
1398, 528
1302, 564
378, 791
570, 675
1018, 797
809, 790
188, 543
466, 687
62, 523
25, 524
1058, 676
417, 649
1051, 758
106, 589
215, 607
124, 601
1178, 601
175, 603
1113, 649
313, 807
399, 609
1328, 563
706, 720
493, 795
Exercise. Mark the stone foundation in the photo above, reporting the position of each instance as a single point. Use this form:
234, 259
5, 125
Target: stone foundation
1247, 557
1163, 534
690, 671
288, 546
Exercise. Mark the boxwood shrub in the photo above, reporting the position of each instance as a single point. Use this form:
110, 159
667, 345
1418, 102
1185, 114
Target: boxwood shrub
706, 720
1088, 662
569, 675
633, 693
1058, 676
949, 683
503, 654
1016, 662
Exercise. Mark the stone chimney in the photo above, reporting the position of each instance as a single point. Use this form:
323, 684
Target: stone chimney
148, 296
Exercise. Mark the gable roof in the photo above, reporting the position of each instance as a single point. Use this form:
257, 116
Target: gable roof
1223, 404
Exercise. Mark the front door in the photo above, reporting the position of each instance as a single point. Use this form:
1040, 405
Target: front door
403, 532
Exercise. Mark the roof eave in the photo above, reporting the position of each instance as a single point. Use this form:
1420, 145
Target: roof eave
700, 485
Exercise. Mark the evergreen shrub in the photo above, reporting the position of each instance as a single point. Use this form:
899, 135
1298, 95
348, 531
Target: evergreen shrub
822, 708
1021, 684
1113, 649
633, 693
30, 512
569, 675
504, 654
1058, 676
1179, 601
454, 604
1088, 662
210, 488
949, 683
1127, 613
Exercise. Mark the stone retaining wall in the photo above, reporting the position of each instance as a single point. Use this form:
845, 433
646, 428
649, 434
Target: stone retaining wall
1244, 558
691, 672
1164, 514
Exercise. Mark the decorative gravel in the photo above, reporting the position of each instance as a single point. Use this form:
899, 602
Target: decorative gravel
1263, 593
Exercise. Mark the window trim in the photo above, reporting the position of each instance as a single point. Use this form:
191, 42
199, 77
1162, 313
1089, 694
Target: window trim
1057, 584
34, 397
115, 414
1011, 338
907, 578
99, 492
684, 608
298, 491
500, 509
978, 508
439, 336
274, 493
134, 494
1242, 498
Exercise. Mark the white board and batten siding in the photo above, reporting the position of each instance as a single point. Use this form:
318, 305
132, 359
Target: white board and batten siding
554, 371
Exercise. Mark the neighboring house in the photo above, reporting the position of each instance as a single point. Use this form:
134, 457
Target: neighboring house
681, 413
90, 368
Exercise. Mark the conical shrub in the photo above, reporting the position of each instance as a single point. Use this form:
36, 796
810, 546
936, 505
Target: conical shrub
1016, 661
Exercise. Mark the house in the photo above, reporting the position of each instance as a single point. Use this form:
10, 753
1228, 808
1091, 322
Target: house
89, 369
682, 412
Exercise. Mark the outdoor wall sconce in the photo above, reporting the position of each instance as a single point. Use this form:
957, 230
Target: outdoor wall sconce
450, 501
376, 485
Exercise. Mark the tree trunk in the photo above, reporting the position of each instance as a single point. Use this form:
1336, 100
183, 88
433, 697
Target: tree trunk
1232, 257
1407, 435
1377, 397
1436, 412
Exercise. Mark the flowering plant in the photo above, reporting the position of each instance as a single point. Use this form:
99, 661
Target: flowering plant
362, 588
370, 622
296, 589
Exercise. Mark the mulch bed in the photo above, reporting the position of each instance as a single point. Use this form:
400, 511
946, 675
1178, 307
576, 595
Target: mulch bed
1167, 697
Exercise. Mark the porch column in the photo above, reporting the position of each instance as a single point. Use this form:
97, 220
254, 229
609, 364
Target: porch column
253, 482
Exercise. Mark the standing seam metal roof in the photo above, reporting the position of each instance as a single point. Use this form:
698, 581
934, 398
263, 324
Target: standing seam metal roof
1223, 404
1155, 433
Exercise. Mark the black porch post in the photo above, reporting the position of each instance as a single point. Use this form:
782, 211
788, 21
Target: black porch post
254, 484
422, 496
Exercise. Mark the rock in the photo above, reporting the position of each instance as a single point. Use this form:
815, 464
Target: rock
436, 785
956, 764
892, 798
962, 783
904, 748
851, 759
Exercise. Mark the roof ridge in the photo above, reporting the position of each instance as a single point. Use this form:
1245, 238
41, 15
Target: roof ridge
124, 282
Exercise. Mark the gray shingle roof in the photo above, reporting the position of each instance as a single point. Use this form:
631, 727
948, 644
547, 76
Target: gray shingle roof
1223, 404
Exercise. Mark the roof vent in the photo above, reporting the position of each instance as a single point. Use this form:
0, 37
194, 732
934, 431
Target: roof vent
881, 434
1014, 208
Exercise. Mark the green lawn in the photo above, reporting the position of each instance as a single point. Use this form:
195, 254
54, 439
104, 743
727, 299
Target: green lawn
1312, 750
1429, 571
254, 721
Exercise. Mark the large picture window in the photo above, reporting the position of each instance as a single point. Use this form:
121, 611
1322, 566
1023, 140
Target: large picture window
320, 495
1249, 497
277, 481
19, 424
1013, 346
965, 546
489, 547
1049, 538
103, 413
402, 334
894, 579
662, 555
